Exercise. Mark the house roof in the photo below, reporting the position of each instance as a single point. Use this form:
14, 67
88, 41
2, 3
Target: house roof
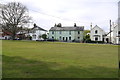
72, 28
39, 28
98, 27
6, 33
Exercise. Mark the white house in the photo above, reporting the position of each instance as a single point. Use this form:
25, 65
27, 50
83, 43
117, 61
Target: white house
97, 34
68, 33
115, 35
36, 32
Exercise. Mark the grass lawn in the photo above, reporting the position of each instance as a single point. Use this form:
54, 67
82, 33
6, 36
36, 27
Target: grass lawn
30, 59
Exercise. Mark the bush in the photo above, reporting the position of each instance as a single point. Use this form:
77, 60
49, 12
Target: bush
44, 36
88, 40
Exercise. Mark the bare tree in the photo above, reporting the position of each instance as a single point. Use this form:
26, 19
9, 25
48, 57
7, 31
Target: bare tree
13, 17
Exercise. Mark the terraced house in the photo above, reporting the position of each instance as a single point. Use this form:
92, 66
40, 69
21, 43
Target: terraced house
67, 33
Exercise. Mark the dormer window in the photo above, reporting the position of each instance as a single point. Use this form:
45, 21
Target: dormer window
96, 32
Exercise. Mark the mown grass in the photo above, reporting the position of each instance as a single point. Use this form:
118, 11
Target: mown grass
30, 59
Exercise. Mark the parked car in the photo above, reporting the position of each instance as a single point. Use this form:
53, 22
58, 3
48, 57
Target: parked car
51, 40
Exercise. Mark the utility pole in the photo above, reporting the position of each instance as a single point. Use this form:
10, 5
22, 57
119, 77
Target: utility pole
110, 31
91, 26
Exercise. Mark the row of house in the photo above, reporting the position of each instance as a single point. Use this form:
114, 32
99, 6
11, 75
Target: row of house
66, 33
75, 33
69, 34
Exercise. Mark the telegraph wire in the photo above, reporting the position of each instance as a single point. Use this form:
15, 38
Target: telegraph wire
56, 16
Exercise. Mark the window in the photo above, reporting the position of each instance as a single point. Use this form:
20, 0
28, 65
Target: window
78, 32
52, 32
69, 38
118, 32
96, 31
96, 38
60, 37
34, 36
33, 31
119, 39
60, 32
69, 32
78, 37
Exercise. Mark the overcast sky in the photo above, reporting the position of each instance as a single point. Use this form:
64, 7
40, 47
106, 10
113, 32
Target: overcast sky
46, 13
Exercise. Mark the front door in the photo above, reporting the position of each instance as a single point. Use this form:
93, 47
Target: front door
103, 39
63, 38
96, 38
5, 38
66, 39
107, 40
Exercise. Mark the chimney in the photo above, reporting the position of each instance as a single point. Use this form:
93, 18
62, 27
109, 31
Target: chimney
35, 25
75, 25
55, 25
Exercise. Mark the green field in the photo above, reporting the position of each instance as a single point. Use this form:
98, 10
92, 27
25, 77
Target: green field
30, 59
